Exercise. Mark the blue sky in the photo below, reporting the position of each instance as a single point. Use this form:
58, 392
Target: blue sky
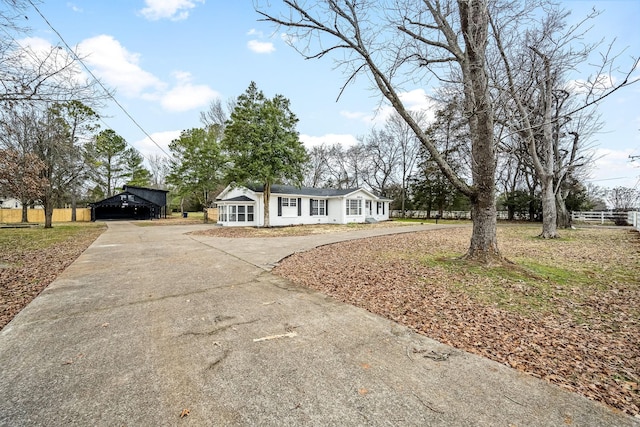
168, 59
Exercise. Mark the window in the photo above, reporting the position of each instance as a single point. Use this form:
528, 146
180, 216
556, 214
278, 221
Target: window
289, 202
318, 207
235, 213
354, 207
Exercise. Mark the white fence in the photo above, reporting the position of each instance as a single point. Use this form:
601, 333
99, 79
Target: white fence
631, 218
604, 217
445, 214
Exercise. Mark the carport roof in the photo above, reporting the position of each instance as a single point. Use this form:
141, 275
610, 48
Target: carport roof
116, 200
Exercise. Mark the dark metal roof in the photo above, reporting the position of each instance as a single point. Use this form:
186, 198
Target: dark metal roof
126, 186
238, 199
303, 191
116, 200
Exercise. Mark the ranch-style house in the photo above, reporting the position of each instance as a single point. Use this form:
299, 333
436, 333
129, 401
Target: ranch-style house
289, 205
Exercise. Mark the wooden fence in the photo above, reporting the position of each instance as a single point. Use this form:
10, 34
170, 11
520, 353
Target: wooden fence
11, 216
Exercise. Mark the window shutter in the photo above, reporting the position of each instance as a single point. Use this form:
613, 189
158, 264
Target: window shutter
326, 207
299, 206
383, 203
279, 206
377, 208
310, 207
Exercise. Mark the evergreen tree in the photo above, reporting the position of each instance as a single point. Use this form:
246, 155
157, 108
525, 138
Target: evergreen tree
263, 144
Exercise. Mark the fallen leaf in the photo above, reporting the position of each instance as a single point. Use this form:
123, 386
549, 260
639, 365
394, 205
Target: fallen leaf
185, 413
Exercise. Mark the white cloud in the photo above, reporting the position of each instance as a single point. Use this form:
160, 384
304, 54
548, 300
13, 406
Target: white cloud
260, 47
174, 10
74, 7
346, 140
415, 100
148, 148
356, 115
186, 96
117, 67
254, 32
614, 168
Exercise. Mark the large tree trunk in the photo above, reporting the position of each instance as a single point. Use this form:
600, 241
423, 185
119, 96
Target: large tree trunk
266, 196
484, 243
549, 228
47, 202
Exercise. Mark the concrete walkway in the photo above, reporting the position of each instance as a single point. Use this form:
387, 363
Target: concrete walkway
149, 322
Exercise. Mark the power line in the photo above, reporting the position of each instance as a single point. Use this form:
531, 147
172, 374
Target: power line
77, 58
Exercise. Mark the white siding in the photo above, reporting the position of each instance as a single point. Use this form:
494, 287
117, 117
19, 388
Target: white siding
300, 214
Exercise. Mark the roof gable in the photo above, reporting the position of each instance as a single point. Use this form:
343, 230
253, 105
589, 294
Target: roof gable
117, 200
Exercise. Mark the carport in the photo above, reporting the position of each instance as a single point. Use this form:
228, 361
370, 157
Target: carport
124, 206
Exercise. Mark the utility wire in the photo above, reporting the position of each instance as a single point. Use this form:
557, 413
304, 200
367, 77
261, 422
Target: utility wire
109, 94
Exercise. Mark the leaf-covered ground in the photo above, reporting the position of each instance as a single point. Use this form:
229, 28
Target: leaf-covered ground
566, 310
31, 258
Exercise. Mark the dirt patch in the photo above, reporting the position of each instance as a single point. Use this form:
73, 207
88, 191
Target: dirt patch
570, 312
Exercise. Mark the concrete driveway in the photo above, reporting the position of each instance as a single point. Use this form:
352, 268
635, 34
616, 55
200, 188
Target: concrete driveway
150, 323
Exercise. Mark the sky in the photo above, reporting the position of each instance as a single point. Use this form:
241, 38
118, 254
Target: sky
166, 60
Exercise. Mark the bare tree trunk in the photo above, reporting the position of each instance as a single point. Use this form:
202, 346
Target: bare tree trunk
563, 219
25, 216
549, 228
74, 206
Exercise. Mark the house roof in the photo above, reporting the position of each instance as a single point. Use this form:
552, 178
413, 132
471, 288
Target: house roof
238, 199
303, 191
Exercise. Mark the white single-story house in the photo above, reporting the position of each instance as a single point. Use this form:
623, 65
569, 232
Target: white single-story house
289, 205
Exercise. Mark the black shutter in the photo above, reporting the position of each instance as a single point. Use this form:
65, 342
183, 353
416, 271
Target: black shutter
310, 207
279, 206
377, 208
299, 206
383, 203
326, 207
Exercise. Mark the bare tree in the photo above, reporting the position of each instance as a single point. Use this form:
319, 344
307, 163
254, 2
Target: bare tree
317, 167
383, 153
408, 149
448, 39
623, 198
159, 167
535, 65
29, 74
